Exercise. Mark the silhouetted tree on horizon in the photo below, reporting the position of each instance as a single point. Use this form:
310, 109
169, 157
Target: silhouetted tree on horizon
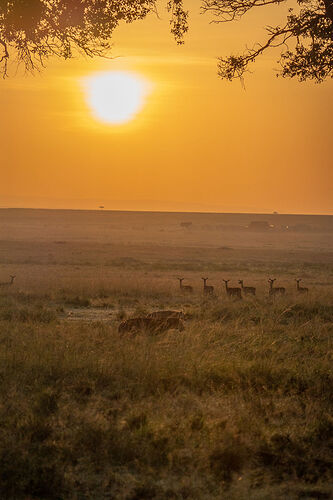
34, 30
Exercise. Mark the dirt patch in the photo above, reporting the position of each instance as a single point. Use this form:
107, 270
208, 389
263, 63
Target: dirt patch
90, 315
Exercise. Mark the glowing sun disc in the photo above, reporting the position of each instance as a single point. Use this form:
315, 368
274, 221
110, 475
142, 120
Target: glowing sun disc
116, 97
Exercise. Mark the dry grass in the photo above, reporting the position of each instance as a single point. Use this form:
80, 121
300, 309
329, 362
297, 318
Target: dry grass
237, 406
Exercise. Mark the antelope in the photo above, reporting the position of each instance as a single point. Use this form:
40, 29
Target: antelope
151, 325
276, 290
8, 283
248, 290
208, 289
185, 288
233, 292
166, 314
300, 289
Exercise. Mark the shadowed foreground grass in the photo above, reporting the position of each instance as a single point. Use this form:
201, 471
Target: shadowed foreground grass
237, 406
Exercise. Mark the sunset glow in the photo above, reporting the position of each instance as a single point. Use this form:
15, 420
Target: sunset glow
154, 128
116, 97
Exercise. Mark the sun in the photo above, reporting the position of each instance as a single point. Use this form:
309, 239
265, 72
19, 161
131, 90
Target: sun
116, 97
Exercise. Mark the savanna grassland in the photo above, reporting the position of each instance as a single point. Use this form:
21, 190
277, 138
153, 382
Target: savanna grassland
237, 406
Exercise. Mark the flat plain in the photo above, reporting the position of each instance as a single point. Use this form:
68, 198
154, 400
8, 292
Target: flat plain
238, 405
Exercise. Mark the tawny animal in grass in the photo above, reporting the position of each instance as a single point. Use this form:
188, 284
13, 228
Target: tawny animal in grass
300, 289
151, 325
208, 289
184, 288
232, 292
275, 290
166, 314
4, 284
247, 290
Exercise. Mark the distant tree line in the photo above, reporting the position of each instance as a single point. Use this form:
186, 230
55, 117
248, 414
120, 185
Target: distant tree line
31, 31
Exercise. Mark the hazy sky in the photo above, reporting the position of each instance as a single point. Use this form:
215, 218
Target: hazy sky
198, 144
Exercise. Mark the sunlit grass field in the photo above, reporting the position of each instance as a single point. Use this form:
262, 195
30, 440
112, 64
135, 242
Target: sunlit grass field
237, 406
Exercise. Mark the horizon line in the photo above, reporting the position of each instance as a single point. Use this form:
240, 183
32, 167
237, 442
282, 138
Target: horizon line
164, 211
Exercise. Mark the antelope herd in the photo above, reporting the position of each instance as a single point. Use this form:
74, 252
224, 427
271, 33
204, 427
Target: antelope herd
246, 290
209, 289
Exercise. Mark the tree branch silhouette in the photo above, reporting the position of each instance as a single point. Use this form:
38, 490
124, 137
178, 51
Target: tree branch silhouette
34, 30
31, 31
306, 38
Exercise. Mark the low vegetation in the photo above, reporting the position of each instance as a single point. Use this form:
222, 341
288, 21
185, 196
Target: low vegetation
239, 405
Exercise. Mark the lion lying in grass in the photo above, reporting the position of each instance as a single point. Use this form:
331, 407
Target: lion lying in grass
154, 325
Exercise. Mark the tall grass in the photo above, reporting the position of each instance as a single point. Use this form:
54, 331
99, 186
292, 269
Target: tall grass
239, 405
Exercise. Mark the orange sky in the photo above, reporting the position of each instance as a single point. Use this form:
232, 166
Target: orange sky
199, 143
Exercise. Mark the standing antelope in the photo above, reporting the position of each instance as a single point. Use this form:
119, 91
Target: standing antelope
184, 288
248, 290
8, 283
301, 289
233, 292
275, 290
208, 289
